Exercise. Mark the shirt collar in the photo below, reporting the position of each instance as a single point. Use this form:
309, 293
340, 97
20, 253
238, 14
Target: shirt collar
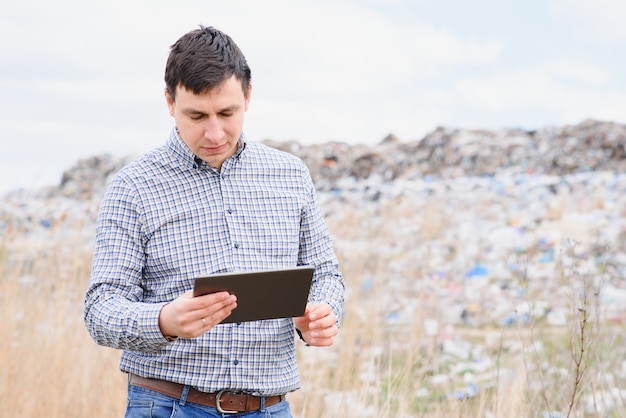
180, 151
241, 145
187, 158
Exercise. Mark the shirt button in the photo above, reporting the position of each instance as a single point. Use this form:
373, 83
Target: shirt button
236, 362
236, 245
229, 210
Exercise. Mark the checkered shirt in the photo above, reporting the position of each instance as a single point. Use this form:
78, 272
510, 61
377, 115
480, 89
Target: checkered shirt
167, 218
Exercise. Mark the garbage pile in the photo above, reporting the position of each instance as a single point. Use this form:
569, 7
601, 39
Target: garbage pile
89, 177
475, 200
448, 153
54, 213
444, 153
474, 228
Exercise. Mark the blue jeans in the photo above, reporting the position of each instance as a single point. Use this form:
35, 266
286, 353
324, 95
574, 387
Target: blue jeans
145, 403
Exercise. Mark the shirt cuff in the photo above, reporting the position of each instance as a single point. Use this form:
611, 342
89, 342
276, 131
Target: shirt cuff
151, 333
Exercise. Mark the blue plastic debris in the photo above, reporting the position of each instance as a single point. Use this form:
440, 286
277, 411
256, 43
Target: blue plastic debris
478, 270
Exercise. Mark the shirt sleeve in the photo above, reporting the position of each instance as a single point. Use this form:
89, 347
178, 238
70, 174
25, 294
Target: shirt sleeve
114, 314
316, 249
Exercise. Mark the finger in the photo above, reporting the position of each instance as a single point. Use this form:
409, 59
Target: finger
217, 312
325, 332
208, 310
205, 301
327, 321
318, 311
323, 338
203, 306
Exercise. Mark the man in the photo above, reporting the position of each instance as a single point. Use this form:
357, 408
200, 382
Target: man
207, 201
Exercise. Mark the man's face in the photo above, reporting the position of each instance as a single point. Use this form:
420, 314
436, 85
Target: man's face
210, 123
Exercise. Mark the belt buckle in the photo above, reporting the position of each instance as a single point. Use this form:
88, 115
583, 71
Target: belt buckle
218, 403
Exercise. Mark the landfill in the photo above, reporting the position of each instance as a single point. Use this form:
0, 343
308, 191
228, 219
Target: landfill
482, 205
476, 221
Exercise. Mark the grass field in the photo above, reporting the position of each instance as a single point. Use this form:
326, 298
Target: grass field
378, 368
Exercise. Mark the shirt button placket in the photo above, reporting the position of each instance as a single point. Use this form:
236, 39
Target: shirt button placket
229, 210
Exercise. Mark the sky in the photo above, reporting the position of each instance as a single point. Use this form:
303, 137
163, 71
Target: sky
79, 79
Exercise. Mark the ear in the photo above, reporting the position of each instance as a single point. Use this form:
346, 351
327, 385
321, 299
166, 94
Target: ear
247, 102
170, 102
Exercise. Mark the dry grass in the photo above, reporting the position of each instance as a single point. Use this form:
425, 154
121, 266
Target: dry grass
50, 366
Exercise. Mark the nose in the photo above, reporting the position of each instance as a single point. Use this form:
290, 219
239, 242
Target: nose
213, 130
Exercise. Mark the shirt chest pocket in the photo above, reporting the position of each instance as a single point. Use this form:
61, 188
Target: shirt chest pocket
273, 228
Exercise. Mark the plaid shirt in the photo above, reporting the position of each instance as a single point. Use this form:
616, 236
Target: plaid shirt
167, 218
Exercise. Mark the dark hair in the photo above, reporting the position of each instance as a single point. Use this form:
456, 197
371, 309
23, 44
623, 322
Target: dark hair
202, 60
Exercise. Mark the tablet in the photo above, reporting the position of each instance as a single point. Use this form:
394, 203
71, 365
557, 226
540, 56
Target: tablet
268, 294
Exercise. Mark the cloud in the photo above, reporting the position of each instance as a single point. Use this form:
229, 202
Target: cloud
345, 49
518, 97
80, 78
601, 20
577, 70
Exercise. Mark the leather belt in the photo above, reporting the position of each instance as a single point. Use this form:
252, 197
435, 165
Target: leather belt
224, 401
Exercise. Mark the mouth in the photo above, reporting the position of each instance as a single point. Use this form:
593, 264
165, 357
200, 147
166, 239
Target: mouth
213, 150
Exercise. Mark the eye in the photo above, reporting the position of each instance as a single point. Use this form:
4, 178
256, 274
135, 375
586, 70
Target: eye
196, 116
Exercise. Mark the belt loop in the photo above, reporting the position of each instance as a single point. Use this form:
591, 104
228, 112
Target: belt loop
183, 396
262, 408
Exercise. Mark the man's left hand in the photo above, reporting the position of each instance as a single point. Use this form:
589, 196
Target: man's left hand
318, 325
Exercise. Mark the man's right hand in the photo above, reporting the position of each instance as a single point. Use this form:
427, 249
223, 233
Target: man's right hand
190, 317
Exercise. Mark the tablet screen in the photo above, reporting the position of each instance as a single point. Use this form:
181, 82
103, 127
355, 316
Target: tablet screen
268, 294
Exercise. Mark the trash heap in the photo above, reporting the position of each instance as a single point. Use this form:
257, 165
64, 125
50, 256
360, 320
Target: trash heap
472, 228
448, 153
54, 213
487, 214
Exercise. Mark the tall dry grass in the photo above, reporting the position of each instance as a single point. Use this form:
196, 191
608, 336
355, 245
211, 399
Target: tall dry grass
50, 365
377, 368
